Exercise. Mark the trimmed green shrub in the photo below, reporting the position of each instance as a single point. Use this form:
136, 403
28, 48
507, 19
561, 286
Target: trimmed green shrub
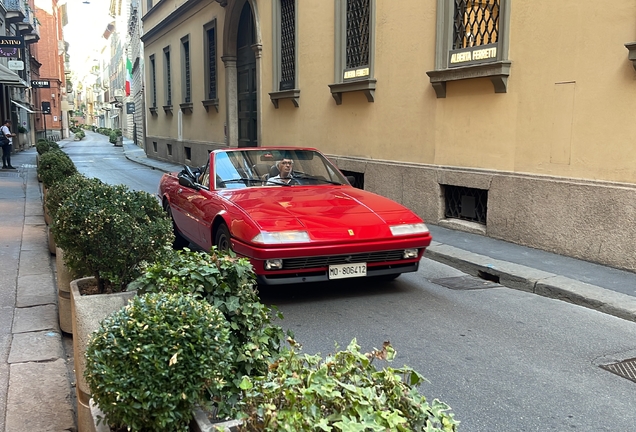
22, 129
149, 364
64, 188
228, 283
54, 166
42, 146
79, 134
113, 137
111, 231
343, 392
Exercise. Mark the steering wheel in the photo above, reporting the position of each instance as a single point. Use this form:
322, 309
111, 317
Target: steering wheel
294, 181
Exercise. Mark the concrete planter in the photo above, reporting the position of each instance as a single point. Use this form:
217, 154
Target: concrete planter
52, 245
63, 292
199, 423
88, 312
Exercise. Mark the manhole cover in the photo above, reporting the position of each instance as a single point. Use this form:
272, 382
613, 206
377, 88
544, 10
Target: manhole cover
465, 283
625, 368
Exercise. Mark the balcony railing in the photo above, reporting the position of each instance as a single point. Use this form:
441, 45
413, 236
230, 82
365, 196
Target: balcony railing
27, 23
16, 10
34, 35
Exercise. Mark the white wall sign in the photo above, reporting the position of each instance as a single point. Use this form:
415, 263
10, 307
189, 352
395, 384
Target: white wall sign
16, 64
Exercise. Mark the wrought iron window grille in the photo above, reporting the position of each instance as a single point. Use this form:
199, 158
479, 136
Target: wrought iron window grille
476, 22
465, 203
186, 61
168, 79
212, 63
358, 42
288, 45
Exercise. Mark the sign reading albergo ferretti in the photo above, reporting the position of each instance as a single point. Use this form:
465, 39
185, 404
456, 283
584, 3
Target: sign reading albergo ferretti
9, 45
472, 55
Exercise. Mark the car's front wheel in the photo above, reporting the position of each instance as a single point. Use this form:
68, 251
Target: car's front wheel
222, 238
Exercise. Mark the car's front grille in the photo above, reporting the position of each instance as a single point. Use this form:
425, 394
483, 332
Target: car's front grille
323, 261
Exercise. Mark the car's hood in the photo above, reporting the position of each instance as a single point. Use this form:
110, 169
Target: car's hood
326, 213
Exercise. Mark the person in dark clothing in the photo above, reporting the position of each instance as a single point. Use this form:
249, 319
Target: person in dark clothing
6, 140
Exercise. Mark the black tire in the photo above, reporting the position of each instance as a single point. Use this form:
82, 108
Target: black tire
222, 239
179, 241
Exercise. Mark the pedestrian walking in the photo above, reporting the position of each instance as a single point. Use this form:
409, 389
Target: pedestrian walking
6, 140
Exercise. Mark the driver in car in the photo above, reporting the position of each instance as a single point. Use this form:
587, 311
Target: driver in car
284, 172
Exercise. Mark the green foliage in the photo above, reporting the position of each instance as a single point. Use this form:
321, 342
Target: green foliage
64, 188
79, 133
228, 283
149, 363
54, 166
113, 137
111, 231
344, 392
42, 146
22, 129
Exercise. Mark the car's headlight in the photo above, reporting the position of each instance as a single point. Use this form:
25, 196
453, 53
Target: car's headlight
281, 237
406, 229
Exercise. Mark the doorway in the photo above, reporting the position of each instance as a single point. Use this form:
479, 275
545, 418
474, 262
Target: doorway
246, 80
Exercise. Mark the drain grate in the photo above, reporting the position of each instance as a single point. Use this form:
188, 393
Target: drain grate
625, 368
465, 283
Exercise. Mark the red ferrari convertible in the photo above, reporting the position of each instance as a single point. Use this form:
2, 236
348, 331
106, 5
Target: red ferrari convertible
294, 215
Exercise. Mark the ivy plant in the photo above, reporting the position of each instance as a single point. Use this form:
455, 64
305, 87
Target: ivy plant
228, 283
149, 363
344, 392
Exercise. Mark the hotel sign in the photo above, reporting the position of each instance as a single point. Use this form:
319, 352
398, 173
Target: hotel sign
473, 55
9, 45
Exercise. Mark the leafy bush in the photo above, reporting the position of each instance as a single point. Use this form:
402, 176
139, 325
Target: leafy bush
54, 166
228, 283
79, 134
149, 363
113, 137
64, 188
22, 129
345, 392
111, 230
42, 146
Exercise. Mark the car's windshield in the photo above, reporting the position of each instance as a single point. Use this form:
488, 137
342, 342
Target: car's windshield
258, 168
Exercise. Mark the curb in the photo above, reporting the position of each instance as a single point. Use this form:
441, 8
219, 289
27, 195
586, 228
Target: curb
539, 282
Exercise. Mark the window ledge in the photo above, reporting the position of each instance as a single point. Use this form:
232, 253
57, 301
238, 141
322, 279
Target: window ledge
367, 86
292, 95
211, 103
167, 109
631, 46
498, 73
186, 108
153, 110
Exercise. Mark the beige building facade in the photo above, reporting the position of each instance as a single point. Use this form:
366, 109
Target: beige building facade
509, 120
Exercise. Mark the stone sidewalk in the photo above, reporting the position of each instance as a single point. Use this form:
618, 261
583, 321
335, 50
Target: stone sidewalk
36, 365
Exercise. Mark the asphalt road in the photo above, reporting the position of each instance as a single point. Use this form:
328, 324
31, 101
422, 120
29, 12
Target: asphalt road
505, 360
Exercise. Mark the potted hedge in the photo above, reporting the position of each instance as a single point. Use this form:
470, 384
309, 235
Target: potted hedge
227, 283
149, 363
56, 194
55, 165
109, 231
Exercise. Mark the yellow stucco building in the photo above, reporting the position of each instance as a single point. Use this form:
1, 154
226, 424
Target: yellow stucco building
509, 119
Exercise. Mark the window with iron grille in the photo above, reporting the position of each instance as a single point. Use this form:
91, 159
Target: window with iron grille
153, 80
187, 85
465, 203
476, 22
472, 41
211, 61
287, 45
358, 34
168, 75
354, 54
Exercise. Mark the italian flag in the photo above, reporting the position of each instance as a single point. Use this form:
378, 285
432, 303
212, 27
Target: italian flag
128, 76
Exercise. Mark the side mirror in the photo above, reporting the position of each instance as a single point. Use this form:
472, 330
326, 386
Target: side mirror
352, 180
187, 182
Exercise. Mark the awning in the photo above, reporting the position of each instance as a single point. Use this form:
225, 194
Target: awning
23, 107
8, 77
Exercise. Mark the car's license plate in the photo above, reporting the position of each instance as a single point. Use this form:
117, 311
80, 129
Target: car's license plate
342, 271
